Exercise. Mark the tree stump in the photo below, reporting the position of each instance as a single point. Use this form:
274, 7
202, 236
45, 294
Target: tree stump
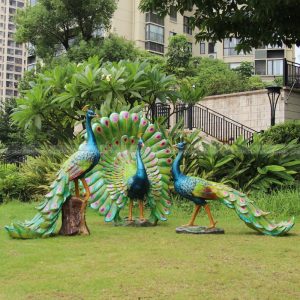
73, 218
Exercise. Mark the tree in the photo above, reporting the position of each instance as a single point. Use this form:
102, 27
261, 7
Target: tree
12, 137
111, 48
53, 23
254, 22
179, 53
245, 69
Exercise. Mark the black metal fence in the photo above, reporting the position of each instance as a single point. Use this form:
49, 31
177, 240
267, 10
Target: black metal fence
291, 74
209, 121
160, 110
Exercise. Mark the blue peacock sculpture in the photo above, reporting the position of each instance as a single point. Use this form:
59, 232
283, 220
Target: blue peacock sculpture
138, 184
74, 169
127, 171
199, 190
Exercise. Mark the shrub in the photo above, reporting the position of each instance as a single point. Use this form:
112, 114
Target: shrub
283, 133
12, 184
32, 179
215, 77
259, 166
255, 83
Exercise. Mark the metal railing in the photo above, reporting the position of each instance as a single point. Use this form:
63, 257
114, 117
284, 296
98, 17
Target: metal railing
160, 110
291, 74
197, 116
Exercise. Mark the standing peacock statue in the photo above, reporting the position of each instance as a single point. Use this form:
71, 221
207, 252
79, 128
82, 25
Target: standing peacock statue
125, 165
199, 190
138, 184
75, 168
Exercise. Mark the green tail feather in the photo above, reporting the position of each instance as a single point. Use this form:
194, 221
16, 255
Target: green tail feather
44, 222
254, 217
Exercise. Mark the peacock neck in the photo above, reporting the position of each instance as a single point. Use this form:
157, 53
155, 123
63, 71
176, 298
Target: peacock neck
141, 171
176, 165
91, 141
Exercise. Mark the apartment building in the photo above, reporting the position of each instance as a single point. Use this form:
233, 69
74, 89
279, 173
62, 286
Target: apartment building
13, 56
152, 33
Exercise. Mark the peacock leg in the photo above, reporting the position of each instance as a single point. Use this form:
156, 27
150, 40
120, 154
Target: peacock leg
141, 206
194, 215
76, 188
211, 220
87, 193
130, 210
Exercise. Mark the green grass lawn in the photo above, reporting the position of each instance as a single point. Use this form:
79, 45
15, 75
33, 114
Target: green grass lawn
149, 263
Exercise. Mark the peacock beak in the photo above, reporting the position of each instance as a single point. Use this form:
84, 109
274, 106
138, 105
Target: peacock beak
175, 146
142, 144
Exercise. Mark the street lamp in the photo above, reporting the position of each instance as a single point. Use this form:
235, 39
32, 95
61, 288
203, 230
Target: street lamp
273, 94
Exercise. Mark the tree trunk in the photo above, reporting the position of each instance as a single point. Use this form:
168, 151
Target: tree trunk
73, 218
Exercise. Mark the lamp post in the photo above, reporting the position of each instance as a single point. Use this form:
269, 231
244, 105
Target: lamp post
273, 94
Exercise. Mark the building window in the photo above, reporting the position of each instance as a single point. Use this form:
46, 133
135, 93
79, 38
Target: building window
154, 47
190, 47
173, 14
10, 67
155, 33
275, 67
18, 69
11, 27
18, 61
9, 76
229, 45
18, 52
211, 47
202, 47
187, 28
9, 92
154, 18
260, 67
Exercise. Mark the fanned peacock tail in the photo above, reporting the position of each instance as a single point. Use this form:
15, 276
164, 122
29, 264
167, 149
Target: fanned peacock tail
117, 138
247, 211
44, 222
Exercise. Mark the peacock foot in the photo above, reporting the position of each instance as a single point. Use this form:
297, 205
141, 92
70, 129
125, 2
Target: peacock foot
212, 225
189, 225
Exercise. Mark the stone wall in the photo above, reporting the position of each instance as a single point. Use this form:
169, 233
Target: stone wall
292, 104
249, 108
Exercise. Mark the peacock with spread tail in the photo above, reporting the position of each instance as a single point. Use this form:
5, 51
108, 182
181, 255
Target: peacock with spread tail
129, 171
199, 190
74, 169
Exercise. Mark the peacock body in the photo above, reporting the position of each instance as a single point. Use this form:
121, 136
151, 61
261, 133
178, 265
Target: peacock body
78, 164
199, 190
125, 172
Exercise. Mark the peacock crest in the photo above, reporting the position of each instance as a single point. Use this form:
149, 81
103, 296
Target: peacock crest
117, 137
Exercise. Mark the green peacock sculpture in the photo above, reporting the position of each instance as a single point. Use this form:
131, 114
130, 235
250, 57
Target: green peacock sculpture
75, 168
199, 190
129, 171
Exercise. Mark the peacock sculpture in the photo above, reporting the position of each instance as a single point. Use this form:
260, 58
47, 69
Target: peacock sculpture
199, 190
138, 184
129, 171
74, 169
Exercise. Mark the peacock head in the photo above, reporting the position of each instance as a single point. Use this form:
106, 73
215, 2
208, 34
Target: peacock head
140, 143
89, 112
180, 146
